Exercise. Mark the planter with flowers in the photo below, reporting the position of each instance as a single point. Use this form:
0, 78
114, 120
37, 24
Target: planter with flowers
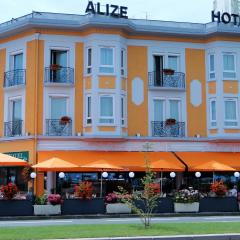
114, 204
48, 205
83, 202
219, 188
186, 200
12, 203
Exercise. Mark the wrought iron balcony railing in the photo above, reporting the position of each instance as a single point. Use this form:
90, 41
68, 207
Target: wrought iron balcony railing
163, 79
55, 127
59, 75
13, 128
163, 129
15, 77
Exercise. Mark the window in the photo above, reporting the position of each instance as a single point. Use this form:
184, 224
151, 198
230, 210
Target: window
123, 60
230, 112
211, 66
58, 107
16, 110
18, 61
59, 57
229, 68
89, 60
122, 111
174, 106
213, 114
89, 110
106, 60
106, 109
173, 63
158, 110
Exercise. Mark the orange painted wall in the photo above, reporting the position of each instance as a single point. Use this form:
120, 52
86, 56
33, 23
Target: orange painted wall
137, 67
88, 129
107, 129
213, 131
124, 84
230, 87
212, 88
107, 82
231, 130
195, 70
88, 83
79, 87
2, 70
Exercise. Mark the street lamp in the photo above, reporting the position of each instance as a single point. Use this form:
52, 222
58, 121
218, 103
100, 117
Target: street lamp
103, 175
33, 175
172, 174
61, 175
131, 174
198, 175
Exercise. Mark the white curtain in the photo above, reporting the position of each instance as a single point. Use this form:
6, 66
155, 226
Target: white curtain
58, 108
18, 61
106, 56
213, 111
17, 110
212, 63
106, 106
158, 110
173, 62
61, 58
174, 109
230, 110
228, 62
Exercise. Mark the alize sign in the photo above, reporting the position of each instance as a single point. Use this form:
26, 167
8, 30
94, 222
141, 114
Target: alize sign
226, 18
108, 10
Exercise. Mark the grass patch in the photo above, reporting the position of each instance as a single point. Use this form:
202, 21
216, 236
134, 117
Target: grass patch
115, 230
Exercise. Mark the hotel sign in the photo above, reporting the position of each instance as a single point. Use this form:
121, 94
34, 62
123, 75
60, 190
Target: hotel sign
21, 155
226, 18
107, 10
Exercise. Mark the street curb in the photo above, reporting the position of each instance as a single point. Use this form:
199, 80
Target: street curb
232, 236
99, 216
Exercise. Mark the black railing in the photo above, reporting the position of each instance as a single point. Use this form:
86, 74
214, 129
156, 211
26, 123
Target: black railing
162, 79
163, 129
59, 75
14, 77
55, 127
13, 128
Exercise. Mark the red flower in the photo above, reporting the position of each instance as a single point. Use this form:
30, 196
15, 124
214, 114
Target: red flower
9, 190
55, 199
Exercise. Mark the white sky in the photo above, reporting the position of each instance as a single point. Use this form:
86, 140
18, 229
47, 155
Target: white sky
170, 10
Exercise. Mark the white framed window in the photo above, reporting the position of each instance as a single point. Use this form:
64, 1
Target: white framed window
229, 66
59, 57
123, 111
89, 60
15, 109
159, 110
106, 109
231, 113
88, 109
173, 62
17, 61
212, 66
106, 60
123, 61
174, 109
58, 107
213, 113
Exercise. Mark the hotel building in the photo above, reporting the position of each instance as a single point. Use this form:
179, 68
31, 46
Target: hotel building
120, 83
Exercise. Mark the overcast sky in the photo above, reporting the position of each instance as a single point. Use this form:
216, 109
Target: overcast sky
169, 10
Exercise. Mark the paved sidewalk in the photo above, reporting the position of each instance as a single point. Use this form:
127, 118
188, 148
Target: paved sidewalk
232, 236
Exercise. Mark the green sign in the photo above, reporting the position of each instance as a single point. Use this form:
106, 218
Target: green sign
21, 155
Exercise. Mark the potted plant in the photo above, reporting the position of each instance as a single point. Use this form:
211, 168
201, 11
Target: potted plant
168, 71
219, 188
170, 121
9, 191
65, 120
84, 190
48, 205
114, 204
54, 67
186, 200
26, 174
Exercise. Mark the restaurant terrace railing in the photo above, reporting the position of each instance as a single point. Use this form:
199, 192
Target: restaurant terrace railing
56, 127
57, 74
14, 78
166, 79
165, 129
13, 128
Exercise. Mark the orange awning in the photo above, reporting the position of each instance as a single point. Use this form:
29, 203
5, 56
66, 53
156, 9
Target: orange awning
7, 161
196, 160
54, 164
129, 161
102, 165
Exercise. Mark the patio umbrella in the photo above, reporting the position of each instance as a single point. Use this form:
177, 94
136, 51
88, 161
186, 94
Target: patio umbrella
165, 166
212, 166
7, 161
54, 165
101, 166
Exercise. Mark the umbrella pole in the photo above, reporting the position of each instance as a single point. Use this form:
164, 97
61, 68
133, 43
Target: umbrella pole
101, 186
213, 177
161, 182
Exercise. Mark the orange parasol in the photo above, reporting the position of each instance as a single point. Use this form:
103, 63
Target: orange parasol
55, 164
164, 165
101, 165
6, 161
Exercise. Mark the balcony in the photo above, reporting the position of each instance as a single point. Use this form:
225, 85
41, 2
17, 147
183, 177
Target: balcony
61, 75
56, 127
15, 78
13, 128
164, 129
164, 79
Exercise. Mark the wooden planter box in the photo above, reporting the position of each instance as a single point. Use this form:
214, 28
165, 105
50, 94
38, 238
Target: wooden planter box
47, 209
80, 206
117, 208
219, 204
186, 207
16, 208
